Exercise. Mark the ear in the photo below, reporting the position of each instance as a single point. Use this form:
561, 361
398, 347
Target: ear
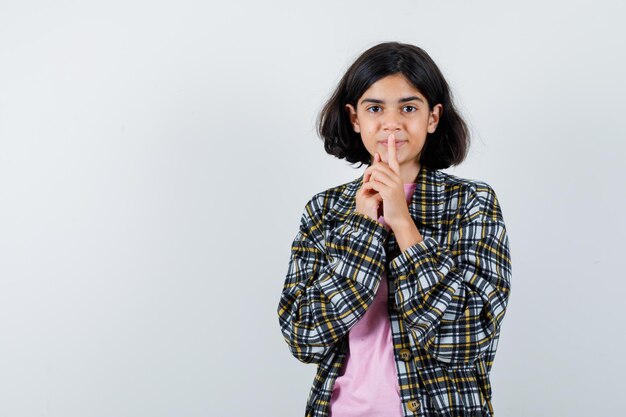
433, 119
353, 118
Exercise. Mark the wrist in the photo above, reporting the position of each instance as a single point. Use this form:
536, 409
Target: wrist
401, 225
407, 234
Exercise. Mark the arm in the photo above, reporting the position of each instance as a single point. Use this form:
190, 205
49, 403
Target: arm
322, 300
454, 300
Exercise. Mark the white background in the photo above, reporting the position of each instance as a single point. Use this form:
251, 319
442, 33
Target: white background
155, 158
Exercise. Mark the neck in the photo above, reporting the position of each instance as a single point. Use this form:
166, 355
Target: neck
409, 172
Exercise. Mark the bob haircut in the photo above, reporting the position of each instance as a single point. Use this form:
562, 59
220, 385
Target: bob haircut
447, 146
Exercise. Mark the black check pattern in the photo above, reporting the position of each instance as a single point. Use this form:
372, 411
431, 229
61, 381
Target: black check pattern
447, 294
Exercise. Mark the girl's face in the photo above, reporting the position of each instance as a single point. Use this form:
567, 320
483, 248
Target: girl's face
393, 105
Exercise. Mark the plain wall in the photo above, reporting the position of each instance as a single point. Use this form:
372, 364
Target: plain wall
155, 158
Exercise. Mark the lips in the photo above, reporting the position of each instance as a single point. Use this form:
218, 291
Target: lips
398, 143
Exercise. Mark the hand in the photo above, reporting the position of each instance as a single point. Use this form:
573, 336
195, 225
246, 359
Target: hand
368, 201
385, 180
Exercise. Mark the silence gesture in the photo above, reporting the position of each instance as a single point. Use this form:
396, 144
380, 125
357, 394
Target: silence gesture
383, 185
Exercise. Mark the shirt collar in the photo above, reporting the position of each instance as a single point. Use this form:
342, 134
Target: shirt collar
427, 202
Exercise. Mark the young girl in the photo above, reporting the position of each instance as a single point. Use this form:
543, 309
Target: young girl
398, 281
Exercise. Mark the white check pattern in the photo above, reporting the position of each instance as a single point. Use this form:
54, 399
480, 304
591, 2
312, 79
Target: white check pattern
447, 294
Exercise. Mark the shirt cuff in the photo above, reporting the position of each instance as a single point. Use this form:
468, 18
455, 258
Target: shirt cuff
412, 255
359, 221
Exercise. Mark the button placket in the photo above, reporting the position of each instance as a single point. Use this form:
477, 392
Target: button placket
404, 354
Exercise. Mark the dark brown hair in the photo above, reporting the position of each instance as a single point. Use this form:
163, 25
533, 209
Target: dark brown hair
447, 146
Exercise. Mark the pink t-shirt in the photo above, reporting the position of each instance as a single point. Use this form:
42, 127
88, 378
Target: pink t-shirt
367, 385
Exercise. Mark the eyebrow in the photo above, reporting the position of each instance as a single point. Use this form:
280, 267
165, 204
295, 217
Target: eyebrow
402, 100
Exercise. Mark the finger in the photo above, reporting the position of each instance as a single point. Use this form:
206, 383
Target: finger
366, 175
368, 171
393, 155
384, 168
374, 185
367, 186
381, 166
378, 174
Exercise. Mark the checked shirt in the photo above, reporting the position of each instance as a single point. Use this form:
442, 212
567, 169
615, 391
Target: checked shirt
447, 294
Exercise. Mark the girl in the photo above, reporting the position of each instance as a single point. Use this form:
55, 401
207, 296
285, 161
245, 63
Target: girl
398, 281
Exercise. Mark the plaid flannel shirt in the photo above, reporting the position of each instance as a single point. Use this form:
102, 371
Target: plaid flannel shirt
447, 294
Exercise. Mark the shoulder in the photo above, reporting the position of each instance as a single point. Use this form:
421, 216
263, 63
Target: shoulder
321, 202
473, 195
329, 196
478, 188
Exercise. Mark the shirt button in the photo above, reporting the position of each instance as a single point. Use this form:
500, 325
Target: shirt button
413, 405
404, 354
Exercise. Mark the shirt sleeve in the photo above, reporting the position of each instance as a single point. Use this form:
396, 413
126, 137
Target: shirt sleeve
454, 299
329, 285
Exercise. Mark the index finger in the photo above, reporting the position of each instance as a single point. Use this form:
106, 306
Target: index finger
393, 155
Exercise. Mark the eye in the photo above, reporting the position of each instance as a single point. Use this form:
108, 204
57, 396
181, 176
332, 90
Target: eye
412, 108
370, 109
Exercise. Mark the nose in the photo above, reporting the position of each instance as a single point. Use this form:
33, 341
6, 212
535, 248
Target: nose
391, 122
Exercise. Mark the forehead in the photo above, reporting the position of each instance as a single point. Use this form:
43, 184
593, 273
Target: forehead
391, 88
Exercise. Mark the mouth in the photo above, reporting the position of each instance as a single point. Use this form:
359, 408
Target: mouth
398, 143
